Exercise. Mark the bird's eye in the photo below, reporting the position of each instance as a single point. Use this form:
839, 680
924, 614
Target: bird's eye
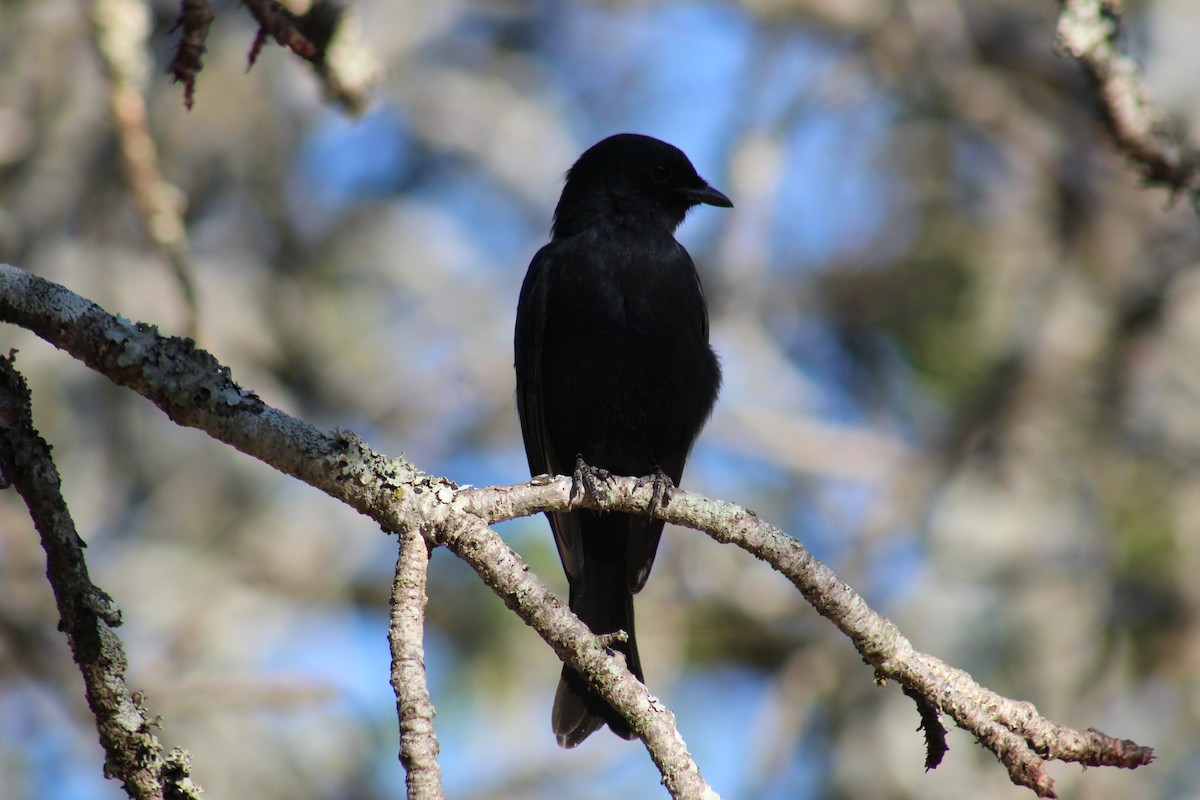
659, 173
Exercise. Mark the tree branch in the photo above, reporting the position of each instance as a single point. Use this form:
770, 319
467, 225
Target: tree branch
1088, 30
194, 20
345, 76
193, 389
418, 741
1011, 729
309, 35
469, 537
133, 754
121, 28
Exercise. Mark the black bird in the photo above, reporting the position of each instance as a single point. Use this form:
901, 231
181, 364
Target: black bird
614, 369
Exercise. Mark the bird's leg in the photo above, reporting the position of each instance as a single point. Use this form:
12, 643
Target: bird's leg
587, 480
662, 485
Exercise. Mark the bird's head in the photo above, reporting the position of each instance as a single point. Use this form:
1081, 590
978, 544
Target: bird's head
632, 174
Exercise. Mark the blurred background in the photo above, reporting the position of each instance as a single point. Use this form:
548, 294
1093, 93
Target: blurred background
960, 343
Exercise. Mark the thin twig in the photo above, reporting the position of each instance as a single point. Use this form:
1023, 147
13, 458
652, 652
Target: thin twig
121, 31
88, 615
309, 36
194, 20
1088, 30
418, 740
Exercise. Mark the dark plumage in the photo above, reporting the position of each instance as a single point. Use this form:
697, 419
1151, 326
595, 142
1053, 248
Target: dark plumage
613, 365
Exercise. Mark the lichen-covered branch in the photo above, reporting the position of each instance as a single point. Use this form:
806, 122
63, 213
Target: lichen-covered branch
1088, 31
1011, 729
88, 615
469, 537
418, 741
194, 390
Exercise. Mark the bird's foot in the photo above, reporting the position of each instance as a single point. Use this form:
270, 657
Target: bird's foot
662, 485
588, 480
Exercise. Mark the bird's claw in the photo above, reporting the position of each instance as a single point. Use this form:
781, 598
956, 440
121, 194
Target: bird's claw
588, 480
662, 486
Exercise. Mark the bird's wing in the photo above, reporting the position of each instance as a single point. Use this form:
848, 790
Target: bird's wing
530, 328
529, 351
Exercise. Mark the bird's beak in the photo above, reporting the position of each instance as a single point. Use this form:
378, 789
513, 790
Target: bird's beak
707, 195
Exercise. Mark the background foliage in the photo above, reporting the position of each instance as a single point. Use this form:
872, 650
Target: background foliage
959, 341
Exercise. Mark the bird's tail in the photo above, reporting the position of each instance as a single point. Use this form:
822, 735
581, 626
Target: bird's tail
605, 603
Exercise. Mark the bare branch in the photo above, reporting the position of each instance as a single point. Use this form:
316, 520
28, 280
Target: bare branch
345, 72
1011, 729
194, 390
132, 753
1088, 30
121, 29
507, 575
418, 741
309, 36
195, 18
